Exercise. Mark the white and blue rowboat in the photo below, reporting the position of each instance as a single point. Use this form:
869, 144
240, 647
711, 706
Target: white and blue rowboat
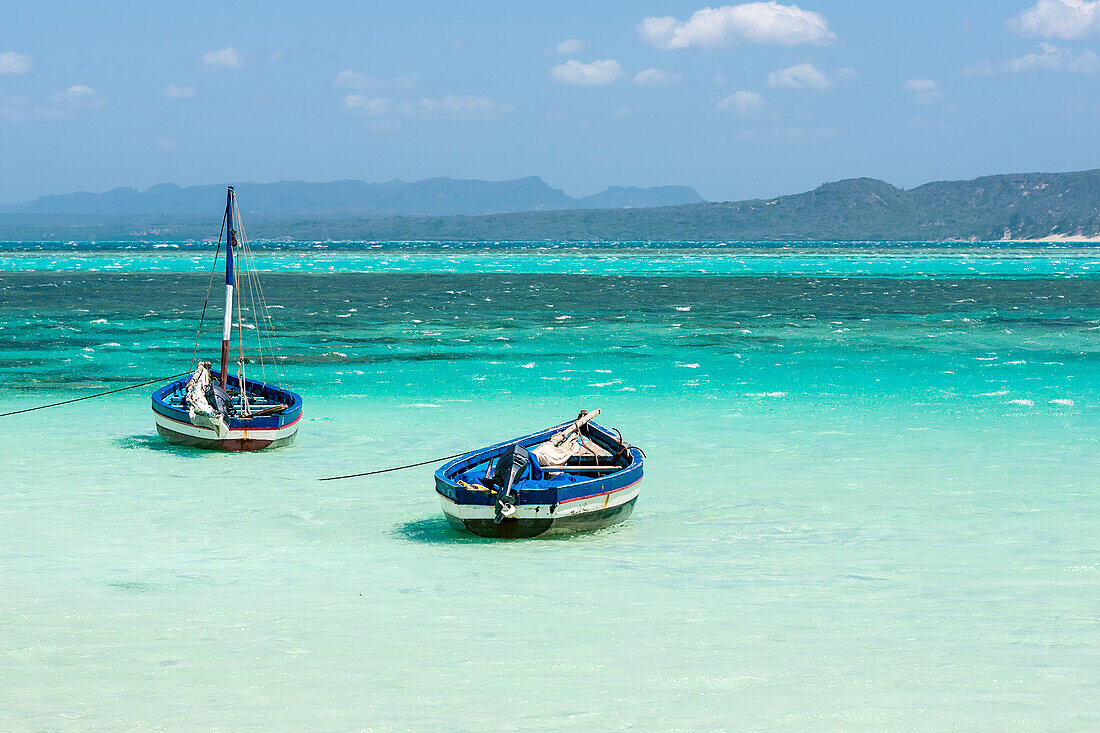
505, 490
272, 420
228, 411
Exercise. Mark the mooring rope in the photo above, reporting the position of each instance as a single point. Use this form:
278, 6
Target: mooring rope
395, 468
88, 397
412, 465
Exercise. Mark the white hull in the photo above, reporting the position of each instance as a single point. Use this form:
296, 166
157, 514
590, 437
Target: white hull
576, 507
235, 439
534, 520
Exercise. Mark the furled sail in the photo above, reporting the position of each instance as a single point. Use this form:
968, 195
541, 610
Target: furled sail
199, 409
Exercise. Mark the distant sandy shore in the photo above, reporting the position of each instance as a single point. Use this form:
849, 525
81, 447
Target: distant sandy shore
1064, 238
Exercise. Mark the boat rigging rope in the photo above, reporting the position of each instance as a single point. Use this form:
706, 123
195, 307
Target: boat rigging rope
99, 394
269, 324
240, 337
248, 276
262, 314
261, 317
395, 468
210, 285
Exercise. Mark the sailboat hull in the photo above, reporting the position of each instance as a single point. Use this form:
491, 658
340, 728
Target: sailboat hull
244, 439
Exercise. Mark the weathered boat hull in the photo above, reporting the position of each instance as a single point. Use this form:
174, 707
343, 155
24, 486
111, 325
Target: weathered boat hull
547, 510
195, 436
524, 527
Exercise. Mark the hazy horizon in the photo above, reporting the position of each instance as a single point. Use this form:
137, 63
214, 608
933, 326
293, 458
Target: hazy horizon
542, 178
142, 189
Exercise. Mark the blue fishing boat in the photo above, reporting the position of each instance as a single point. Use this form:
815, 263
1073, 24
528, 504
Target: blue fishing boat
233, 409
573, 477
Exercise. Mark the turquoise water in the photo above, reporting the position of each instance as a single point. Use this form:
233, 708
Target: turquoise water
660, 259
871, 500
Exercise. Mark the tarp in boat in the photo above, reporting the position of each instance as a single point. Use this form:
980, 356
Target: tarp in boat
557, 451
199, 409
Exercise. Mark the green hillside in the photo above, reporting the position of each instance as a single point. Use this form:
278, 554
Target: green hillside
1015, 206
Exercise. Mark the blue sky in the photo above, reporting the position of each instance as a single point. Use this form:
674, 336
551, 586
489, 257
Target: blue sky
739, 101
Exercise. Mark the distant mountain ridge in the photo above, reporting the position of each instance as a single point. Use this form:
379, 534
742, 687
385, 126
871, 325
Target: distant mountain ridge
1011, 206
433, 196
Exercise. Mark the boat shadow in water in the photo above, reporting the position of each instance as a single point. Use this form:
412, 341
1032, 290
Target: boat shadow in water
157, 443
436, 530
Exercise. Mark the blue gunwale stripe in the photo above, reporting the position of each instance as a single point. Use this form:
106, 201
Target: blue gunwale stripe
267, 422
447, 487
231, 428
564, 501
602, 493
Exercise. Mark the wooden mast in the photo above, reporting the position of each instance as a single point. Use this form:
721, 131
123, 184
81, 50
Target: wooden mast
227, 324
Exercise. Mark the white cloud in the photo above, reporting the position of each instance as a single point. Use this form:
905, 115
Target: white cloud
166, 143
174, 92
14, 63
1053, 58
450, 106
757, 22
597, 73
470, 108
350, 79
225, 58
926, 91
78, 96
657, 78
570, 45
1046, 58
370, 106
801, 76
1066, 19
59, 106
742, 102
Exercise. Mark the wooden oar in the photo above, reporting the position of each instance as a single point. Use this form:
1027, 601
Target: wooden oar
579, 423
269, 410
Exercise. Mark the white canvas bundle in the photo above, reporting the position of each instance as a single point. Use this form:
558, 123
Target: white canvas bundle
199, 409
197, 386
557, 451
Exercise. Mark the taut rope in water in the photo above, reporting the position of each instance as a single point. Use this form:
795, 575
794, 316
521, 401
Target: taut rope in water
582, 416
91, 396
395, 468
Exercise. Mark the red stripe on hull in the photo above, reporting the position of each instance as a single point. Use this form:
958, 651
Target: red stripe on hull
203, 427
236, 445
602, 493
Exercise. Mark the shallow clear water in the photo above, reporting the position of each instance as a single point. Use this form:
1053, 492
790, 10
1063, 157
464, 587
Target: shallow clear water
871, 500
